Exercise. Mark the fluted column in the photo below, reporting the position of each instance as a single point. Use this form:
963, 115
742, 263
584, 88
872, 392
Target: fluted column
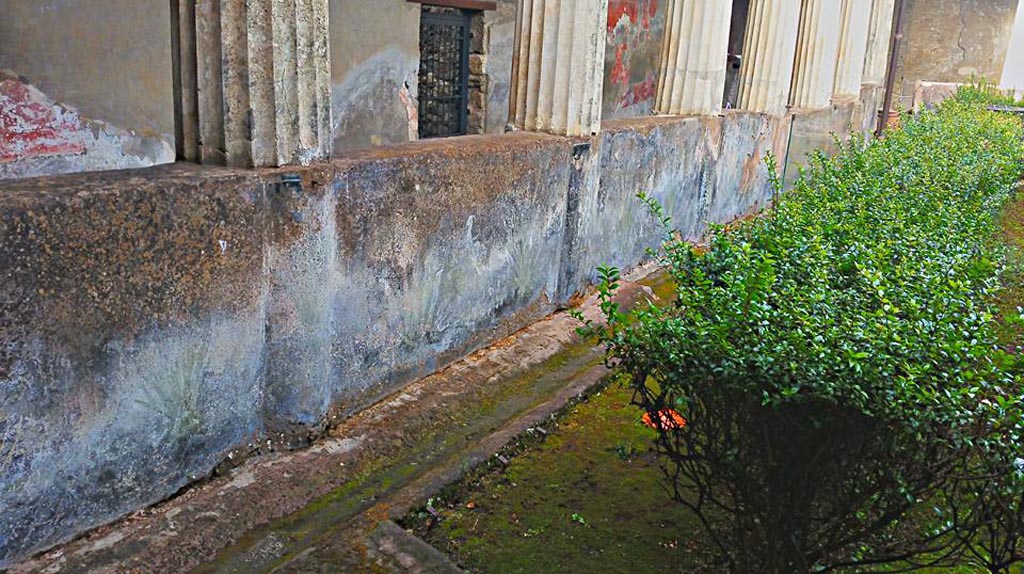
879, 32
853, 45
692, 79
558, 66
816, 50
253, 81
769, 47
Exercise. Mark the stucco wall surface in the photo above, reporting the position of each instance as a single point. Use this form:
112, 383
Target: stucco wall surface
427, 252
701, 169
157, 322
375, 55
817, 130
954, 41
84, 86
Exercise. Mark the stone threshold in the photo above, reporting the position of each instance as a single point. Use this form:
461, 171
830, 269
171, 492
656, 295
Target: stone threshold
333, 505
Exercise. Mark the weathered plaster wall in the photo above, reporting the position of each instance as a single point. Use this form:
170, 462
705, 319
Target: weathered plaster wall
131, 342
84, 86
817, 130
636, 29
375, 55
701, 169
866, 115
431, 251
158, 321
954, 41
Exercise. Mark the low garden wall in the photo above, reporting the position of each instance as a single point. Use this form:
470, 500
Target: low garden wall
158, 322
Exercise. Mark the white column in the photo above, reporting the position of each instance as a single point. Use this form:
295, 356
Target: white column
816, 51
558, 66
853, 46
692, 79
768, 50
253, 81
876, 60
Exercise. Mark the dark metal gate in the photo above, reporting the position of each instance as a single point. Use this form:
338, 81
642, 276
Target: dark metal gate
444, 73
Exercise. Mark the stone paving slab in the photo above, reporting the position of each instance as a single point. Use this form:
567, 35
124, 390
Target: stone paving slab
405, 552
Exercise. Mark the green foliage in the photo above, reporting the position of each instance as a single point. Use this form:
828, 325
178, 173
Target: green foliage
837, 357
986, 94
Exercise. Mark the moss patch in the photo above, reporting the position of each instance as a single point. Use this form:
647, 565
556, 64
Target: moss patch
590, 498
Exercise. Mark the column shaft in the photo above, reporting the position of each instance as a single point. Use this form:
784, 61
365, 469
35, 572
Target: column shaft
880, 30
768, 49
853, 45
254, 81
816, 52
558, 66
186, 104
692, 79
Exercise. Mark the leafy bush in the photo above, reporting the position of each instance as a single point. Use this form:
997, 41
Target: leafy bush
837, 357
980, 92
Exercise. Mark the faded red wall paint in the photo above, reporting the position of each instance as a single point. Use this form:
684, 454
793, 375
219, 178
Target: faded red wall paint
619, 9
641, 92
638, 11
635, 31
30, 126
620, 71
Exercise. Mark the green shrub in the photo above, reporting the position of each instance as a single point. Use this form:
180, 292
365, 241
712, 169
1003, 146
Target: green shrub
986, 94
837, 357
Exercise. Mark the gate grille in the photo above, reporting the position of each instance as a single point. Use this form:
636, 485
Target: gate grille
444, 73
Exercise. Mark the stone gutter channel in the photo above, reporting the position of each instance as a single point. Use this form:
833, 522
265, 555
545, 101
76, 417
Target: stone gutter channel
332, 507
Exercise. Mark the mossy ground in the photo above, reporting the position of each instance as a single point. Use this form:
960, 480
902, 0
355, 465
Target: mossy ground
589, 498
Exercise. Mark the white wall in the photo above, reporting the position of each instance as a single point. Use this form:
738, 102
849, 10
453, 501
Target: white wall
1013, 71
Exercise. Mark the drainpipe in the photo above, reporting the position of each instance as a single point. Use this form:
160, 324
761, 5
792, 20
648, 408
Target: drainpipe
890, 75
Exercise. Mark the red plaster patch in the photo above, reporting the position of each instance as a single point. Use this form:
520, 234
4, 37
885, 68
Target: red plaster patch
31, 126
641, 92
652, 11
638, 11
620, 71
629, 29
619, 9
